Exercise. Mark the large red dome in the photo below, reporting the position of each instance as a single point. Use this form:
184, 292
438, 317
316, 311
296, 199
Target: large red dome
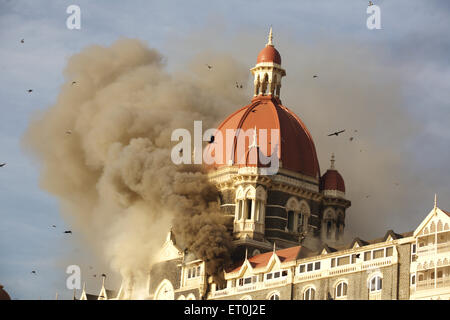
296, 150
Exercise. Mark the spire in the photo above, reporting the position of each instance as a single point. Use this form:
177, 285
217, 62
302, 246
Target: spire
269, 42
103, 281
246, 253
435, 202
332, 161
274, 247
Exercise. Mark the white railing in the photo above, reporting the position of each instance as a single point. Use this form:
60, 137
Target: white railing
431, 284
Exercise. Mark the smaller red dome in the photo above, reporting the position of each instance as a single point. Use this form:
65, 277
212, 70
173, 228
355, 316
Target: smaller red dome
3, 294
269, 54
332, 180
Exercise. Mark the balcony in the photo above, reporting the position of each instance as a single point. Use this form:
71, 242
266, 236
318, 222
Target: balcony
423, 287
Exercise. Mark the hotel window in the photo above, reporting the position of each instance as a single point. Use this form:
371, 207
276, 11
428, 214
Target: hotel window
389, 251
413, 248
276, 275
367, 255
290, 221
342, 261
378, 254
376, 283
248, 213
309, 294
274, 296
341, 290
413, 279
313, 266
248, 280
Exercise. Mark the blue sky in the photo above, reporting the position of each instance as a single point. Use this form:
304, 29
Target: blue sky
413, 40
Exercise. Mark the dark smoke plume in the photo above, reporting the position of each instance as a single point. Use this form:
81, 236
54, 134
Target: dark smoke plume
113, 174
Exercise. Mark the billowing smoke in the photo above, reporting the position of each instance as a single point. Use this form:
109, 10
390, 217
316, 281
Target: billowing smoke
105, 152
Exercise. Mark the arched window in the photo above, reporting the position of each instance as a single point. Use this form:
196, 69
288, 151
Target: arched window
309, 294
328, 229
274, 296
290, 220
341, 290
375, 283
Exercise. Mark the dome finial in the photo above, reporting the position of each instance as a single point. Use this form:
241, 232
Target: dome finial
269, 43
332, 161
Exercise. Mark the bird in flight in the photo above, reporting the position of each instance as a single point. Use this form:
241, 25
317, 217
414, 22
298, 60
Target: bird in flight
22, 41
351, 138
69, 132
336, 133
315, 76
239, 86
33, 272
53, 226
2, 164
30, 90
73, 82
68, 231
209, 67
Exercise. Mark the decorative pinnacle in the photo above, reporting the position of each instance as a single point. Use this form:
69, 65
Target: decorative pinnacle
332, 161
435, 201
269, 43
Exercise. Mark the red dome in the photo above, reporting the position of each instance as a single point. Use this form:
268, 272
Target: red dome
269, 54
295, 147
332, 180
3, 294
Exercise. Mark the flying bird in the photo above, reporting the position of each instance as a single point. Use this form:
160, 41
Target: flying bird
22, 41
336, 133
33, 272
103, 275
30, 90
351, 138
315, 76
69, 132
53, 226
209, 67
2, 164
73, 82
68, 231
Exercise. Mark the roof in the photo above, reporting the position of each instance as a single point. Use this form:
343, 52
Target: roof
294, 147
332, 180
446, 212
261, 260
269, 54
111, 294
